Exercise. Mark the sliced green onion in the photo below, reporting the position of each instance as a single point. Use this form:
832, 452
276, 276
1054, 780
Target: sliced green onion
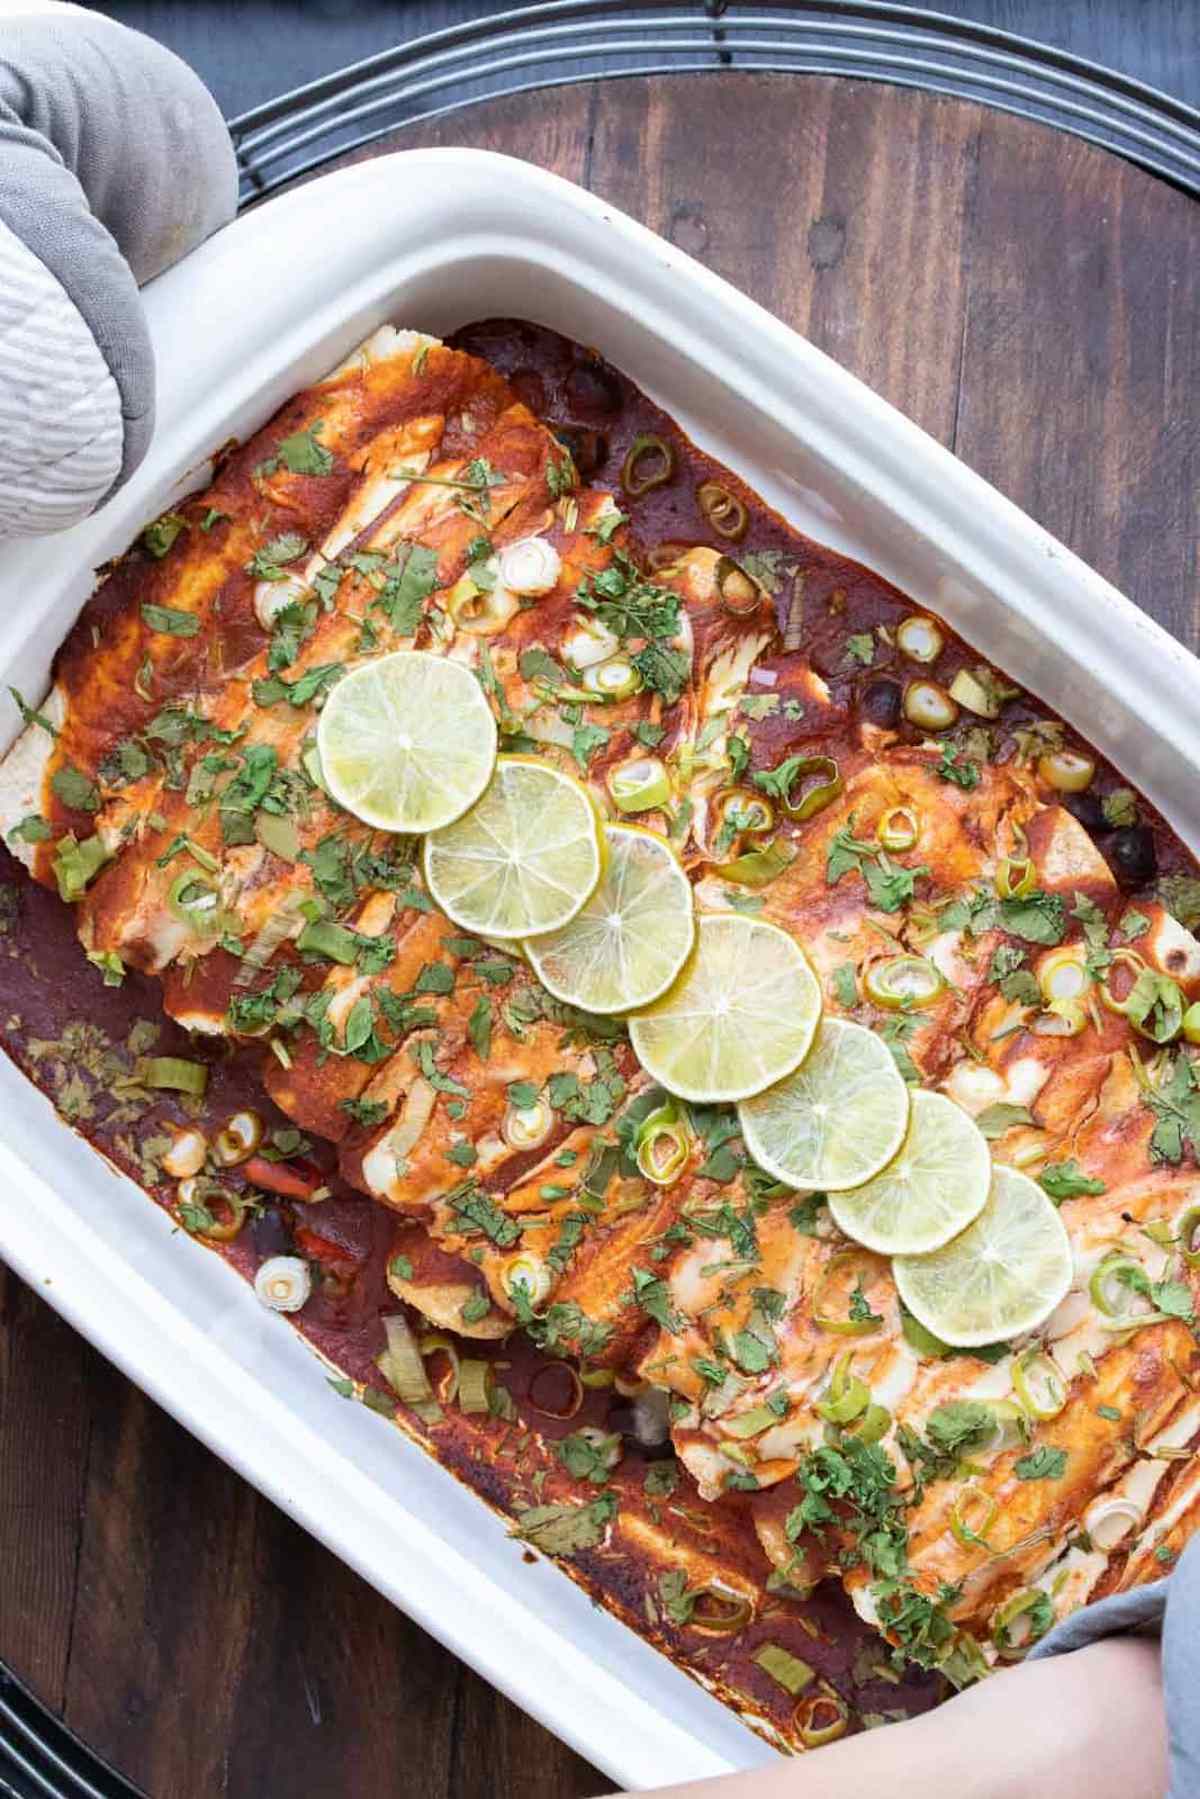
929, 706
723, 511
920, 639
848, 1396
875, 1423
640, 785
75, 864
334, 941
1040, 1387
1063, 974
1062, 1018
740, 593
845, 1326
649, 463
527, 1127
719, 1612
1012, 1425
1154, 1005
972, 1516
170, 1074
526, 1276
1191, 1024
195, 1198
1021, 1621
785, 1669
615, 679
903, 982
661, 1145
400, 1363
279, 834
757, 868
238, 1139
1113, 1292
437, 1343
739, 811
751, 1423
970, 691
821, 1718
1066, 771
197, 903
898, 829
813, 783
1108, 1520
1187, 1233
1015, 877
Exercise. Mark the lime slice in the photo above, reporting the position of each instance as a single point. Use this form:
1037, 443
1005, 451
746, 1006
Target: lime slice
407, 742
837, 1120
740, 1017
633, 935
1003, 1275
932, 1189
524, 859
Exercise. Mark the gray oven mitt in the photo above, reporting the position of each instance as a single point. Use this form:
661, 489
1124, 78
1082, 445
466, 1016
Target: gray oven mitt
114, 163
1170, 1607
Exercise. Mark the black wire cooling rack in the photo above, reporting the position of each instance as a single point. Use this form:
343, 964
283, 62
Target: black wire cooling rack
571, 41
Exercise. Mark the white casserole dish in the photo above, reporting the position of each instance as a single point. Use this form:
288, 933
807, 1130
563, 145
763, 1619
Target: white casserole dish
435, 239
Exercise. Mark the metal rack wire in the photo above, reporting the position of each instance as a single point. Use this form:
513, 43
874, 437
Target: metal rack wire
41, 1759
572, 41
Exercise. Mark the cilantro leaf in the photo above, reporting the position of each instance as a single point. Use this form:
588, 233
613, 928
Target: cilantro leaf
1066, 1180
995, 1120
1042, 1463
1037, 918
170, 620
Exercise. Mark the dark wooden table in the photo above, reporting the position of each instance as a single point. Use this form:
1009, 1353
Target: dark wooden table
1027, 299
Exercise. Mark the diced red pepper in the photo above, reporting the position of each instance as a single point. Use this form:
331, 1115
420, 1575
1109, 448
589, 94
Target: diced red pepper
291, 1180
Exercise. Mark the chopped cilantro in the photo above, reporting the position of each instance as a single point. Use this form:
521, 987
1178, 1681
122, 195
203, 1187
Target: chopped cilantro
958, 770
366, 1112
996, 1119
300, 454
1042, 1463
158, 537
1066, 1180
1038, 918
410, 577
74, 789
169, 620
585, 741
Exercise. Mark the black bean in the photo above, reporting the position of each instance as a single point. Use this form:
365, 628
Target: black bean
531, 388
1088, 809
880, 703
271, 1232
1132, 855
594, 387
589, 449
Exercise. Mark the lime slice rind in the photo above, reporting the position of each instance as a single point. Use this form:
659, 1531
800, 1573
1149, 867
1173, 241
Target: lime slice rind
524, 859
406, 742
627, 944
934, 1186
740, 1017
1000, 1277
837, 1120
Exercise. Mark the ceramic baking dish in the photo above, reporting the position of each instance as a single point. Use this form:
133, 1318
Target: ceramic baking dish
434, 239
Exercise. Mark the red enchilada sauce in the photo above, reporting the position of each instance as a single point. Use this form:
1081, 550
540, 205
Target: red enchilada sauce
687, 1574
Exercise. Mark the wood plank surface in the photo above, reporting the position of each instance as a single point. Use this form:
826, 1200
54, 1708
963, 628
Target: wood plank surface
1026, 298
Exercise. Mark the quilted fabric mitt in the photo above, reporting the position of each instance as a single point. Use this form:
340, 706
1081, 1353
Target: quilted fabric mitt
114, 163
